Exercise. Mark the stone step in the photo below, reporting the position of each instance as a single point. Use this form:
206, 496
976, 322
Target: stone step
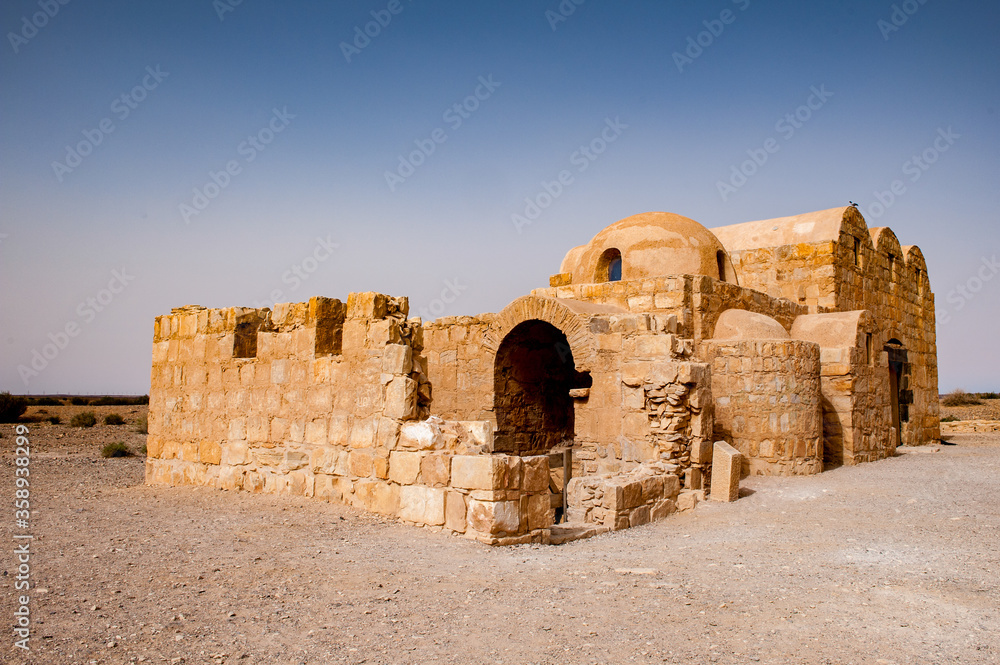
564, 533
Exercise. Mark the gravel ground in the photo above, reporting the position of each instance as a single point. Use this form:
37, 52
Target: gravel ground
891, 562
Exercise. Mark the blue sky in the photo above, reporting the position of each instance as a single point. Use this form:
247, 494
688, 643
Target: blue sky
309, 133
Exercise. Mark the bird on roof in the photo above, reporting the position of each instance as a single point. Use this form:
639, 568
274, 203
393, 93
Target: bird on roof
853, 204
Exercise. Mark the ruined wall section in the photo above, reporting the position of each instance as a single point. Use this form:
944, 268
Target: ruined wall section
328, 400
767, 403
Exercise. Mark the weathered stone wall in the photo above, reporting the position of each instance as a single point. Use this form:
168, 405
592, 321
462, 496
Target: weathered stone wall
891, 283
327, 400
767, 403
803, 273
857, 268
645, 402
645, 494
695, 301
460, 367
857, 423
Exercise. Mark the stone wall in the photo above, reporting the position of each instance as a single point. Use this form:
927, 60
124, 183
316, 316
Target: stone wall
695, 301
767, 403
856, 268
857, 418
328, 400
643, 495
641, 399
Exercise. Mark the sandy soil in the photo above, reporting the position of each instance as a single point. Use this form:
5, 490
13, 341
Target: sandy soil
891, 562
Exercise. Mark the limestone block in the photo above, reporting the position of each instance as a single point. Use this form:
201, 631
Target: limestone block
361, 462
297, 430
354, 335
727, 465
479, 432
322, 459
401, 398
189, 451
343, 465
384, 332
315, 433
388, 433
423, 505
363, 433
535, 472
230, 478
397, 359
234, 453
237, 429
661, 509
435, 471
701, 451
419, 435
493, 517
639, 516
540, 513
654, 346
692, 372
671, 486
455, 511
652, 489
514, 471
338, 430
268, 458
634, 374
367, 305
364, 493
635, 398
404, 467
279, 429
479, 472
692, 479
381, 464
688, 499
635, 425
295, 459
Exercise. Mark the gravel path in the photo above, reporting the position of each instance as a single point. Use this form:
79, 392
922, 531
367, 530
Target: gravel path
891, 562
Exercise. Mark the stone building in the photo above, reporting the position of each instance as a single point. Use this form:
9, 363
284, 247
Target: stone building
804, 342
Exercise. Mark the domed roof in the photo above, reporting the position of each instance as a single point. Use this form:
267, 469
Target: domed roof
651, 244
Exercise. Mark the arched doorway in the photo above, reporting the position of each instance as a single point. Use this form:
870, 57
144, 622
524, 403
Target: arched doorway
900, 396
532, 377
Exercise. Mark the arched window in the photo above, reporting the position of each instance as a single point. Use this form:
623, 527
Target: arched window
720, 261
609, 266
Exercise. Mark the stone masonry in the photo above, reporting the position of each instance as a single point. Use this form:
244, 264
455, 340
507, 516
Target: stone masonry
597, 403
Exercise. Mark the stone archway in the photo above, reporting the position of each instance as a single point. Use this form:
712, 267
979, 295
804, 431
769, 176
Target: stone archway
533, 374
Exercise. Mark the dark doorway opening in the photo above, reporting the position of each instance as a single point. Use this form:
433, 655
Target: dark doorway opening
532, 378
899, 394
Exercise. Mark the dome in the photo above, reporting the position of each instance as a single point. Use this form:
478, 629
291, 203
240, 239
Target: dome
652, 244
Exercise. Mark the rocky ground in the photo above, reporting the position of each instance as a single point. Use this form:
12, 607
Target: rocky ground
891, 562
988, 410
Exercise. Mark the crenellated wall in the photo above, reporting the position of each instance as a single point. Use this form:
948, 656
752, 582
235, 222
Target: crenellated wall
329, 400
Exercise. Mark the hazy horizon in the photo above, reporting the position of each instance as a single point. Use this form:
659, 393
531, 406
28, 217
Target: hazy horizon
229, 153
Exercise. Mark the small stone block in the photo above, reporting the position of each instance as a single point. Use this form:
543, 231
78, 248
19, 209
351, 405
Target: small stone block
727, 464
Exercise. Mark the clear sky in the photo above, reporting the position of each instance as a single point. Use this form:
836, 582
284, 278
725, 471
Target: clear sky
157, 154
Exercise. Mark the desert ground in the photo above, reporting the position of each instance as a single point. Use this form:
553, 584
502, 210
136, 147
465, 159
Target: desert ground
891, 562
